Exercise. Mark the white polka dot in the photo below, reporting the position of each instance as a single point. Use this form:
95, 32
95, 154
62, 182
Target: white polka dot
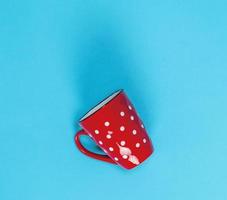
137, 145
122, 113
132, 117
125, 156
142, 126
144, 140
108, 136
122, 143
111, 149
107, 123
130, 107
96, 131
100, 142
115, 158
134, 131
122, 128
110, 132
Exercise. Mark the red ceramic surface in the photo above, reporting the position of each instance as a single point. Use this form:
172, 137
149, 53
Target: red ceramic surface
116, 128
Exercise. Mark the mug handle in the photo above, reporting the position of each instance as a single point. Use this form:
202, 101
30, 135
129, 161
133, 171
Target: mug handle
104, 158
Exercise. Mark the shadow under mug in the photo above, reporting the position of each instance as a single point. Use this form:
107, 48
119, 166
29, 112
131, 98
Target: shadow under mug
116, 128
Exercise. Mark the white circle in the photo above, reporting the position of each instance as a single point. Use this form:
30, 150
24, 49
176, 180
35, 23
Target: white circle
122, 143
134, 131
132, 117
129, 107
122, 128
111, 148
96, 131
142, 126
137, 145
108, 136
107, 123
115, 158
144, 140
125, 156
122, 113
100, 142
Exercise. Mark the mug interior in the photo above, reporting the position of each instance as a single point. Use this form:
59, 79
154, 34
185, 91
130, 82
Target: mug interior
100, 105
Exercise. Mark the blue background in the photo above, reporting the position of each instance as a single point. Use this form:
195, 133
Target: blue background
59, 58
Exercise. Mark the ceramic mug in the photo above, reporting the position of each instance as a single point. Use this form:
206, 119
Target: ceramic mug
117, 129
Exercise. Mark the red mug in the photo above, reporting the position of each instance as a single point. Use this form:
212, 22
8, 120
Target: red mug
117, 129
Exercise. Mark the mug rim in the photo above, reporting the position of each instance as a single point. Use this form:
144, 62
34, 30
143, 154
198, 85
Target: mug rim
87, 115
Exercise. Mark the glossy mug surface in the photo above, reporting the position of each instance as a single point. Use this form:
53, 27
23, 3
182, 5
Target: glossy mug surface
117, 129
